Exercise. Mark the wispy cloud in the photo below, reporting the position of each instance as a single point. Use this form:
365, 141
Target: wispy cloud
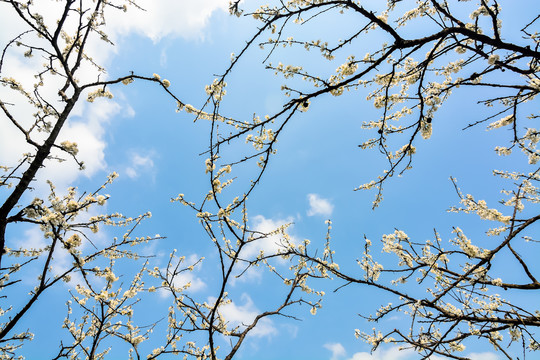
474, 355
162, 18
319, 206
337, 350
391, 353
270, 244
394, 353
187, 277
139, 164
484, 356
243, 315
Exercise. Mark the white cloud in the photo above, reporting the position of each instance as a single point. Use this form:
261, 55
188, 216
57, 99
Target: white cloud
251, 275
12, 141
186, 277
32, 239
86, 126
392, 353
483, 356
474, 355
178, 18
153, 249
139, 164
319, 206
243, 315
270, 244
292, 330
87, 132
337, 350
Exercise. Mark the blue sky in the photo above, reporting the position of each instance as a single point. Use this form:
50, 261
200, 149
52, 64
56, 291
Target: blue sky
155, 150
